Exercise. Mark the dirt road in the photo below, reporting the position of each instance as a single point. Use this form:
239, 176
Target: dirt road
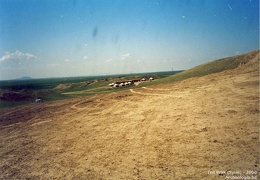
191, 129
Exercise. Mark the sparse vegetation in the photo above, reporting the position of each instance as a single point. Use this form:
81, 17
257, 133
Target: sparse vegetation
23, 92
19, 92
150, 130
211, 67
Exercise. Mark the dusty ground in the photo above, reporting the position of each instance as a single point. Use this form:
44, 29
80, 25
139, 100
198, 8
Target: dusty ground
190, 129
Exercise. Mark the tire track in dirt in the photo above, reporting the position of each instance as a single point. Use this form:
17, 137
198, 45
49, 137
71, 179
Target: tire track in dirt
148, 94
81, 105
41, 122
173, 94
157, 89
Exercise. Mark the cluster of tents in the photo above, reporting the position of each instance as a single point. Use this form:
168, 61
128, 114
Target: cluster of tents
127, 83
120, 84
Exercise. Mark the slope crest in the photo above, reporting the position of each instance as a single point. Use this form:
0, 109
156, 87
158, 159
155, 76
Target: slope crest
244, 63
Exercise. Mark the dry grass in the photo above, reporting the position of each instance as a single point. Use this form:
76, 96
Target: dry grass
167, 131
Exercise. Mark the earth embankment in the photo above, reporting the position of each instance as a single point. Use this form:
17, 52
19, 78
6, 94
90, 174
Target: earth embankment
177, 130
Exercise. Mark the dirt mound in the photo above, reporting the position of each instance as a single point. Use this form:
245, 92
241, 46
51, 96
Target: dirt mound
251, 63
63, 86
200, 128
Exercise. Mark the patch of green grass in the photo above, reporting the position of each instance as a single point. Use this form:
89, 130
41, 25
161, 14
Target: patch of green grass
10, 104
101, 85
19, 92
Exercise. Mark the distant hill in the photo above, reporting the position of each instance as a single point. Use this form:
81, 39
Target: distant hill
218, 66
24, 78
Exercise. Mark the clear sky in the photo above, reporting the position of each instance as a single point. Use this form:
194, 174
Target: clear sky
55, 38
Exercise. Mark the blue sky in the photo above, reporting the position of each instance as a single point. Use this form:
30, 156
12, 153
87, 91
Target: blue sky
55, 38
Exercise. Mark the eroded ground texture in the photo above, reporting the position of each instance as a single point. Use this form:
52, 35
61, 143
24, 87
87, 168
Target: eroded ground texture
171, 131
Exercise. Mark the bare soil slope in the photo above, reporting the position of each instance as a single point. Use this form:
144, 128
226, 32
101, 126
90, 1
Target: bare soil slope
179, 130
